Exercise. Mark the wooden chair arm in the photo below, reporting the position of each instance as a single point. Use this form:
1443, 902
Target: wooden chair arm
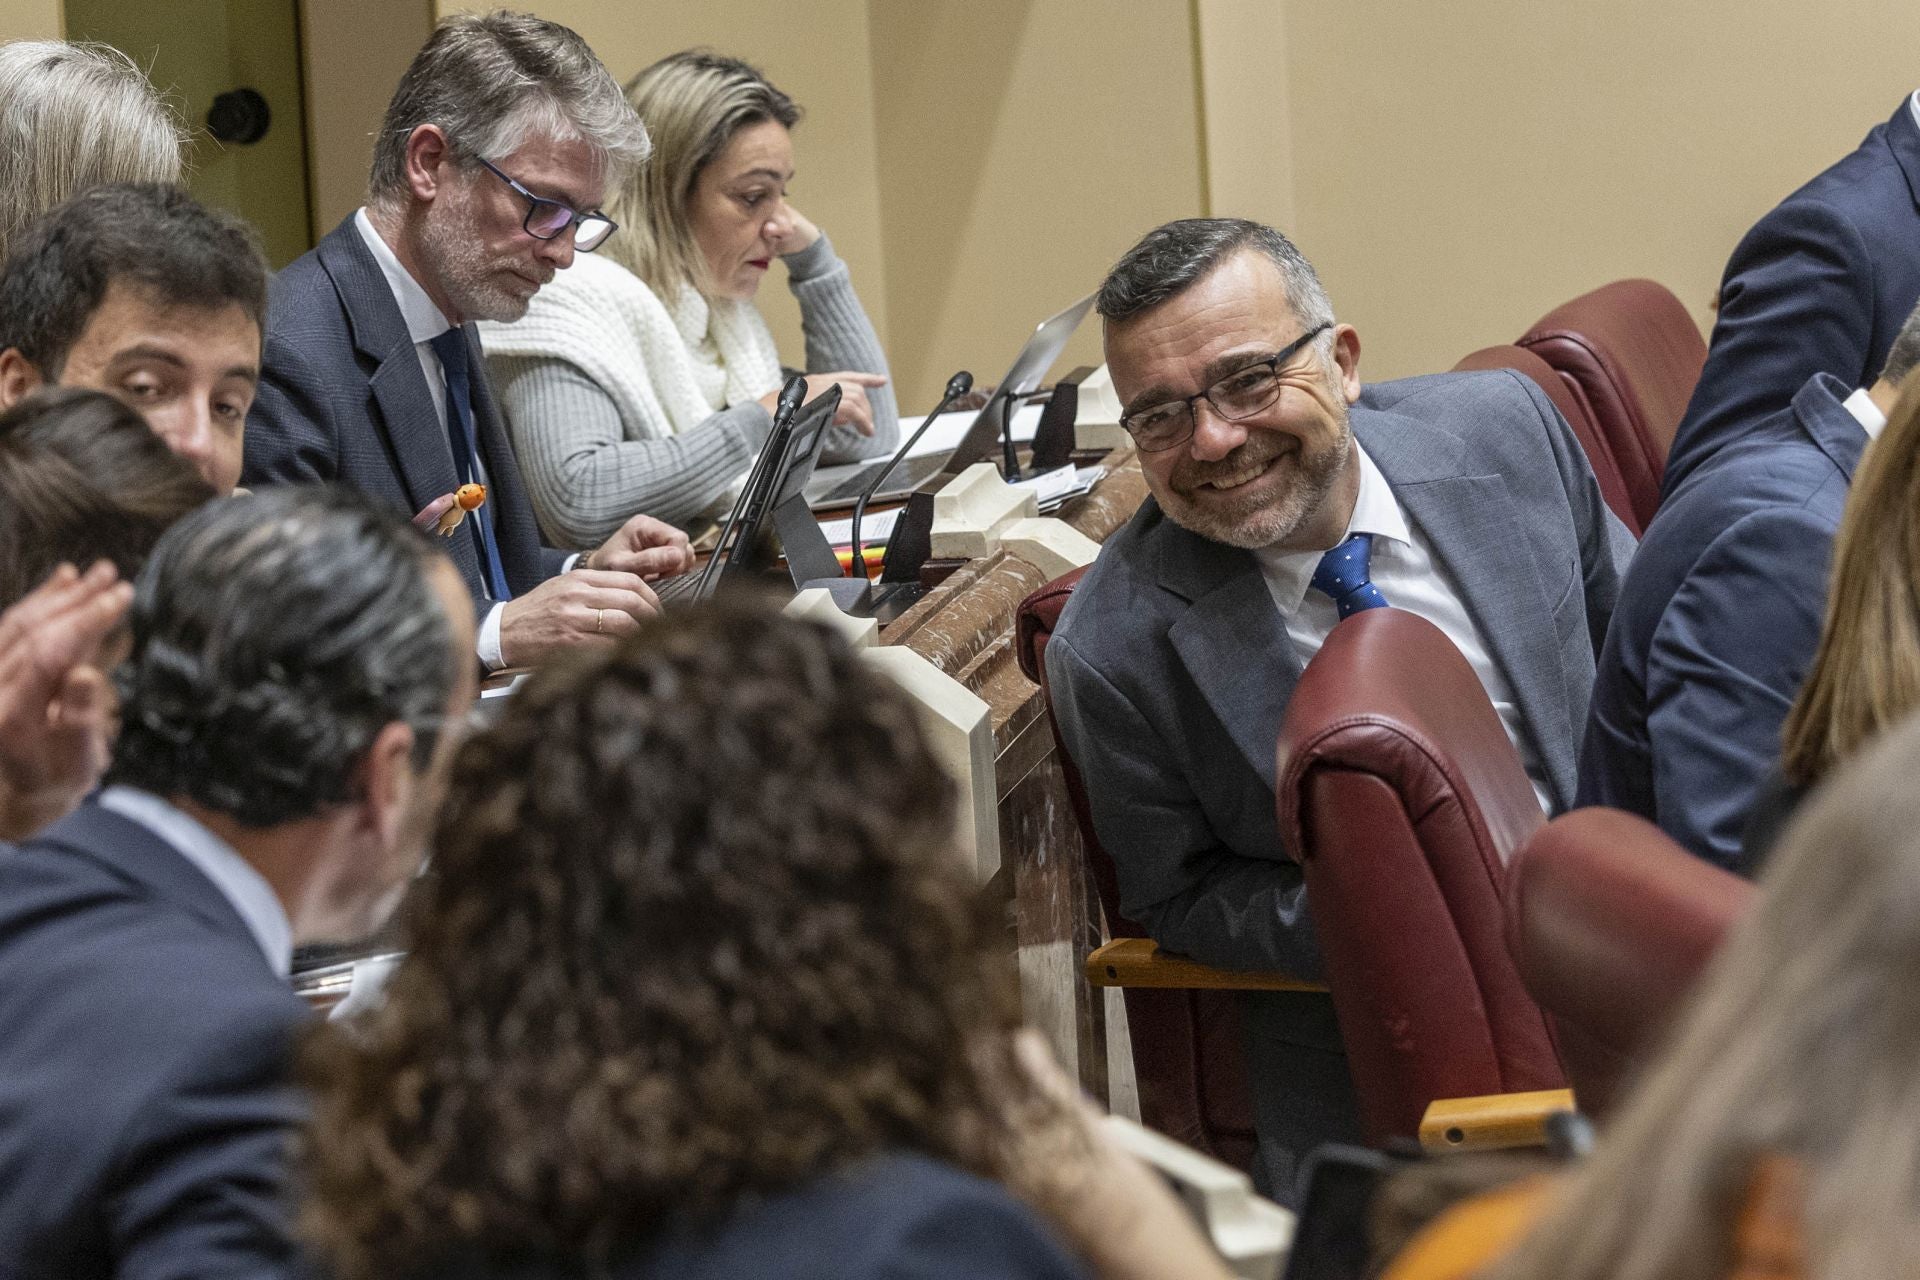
1492, 1122
1139, 962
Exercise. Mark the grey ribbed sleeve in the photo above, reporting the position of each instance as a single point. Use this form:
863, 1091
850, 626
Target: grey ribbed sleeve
586, 477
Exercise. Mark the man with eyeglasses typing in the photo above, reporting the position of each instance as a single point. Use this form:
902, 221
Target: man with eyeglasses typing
1285, 497
488, 173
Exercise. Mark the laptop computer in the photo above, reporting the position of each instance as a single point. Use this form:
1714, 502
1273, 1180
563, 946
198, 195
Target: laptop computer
773, 493
839, 486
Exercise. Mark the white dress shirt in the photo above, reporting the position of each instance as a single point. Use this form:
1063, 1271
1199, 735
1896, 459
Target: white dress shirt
1866, 413
425, 322
252, 897
1404, 569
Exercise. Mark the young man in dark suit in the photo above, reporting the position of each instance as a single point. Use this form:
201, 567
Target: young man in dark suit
488, 172
1284, 497
1720, 615
300, 660
1820, 285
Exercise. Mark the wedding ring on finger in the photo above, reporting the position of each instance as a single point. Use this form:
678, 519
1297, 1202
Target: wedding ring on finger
599, 621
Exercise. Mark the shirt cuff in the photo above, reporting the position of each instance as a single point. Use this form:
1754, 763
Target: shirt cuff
487, 644
572, 562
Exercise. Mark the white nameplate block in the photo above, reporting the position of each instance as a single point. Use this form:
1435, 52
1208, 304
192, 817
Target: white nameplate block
815, 604
959, 726
1251, 1233
972, 510
1052, 546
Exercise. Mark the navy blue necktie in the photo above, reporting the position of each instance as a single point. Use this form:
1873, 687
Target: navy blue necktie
451, 347
1342, 575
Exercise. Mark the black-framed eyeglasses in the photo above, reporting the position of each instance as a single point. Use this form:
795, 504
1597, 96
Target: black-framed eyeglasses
1238, 396
546, 219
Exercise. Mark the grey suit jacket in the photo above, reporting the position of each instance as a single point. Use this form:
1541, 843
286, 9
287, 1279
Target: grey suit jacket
343, 398
1171, 668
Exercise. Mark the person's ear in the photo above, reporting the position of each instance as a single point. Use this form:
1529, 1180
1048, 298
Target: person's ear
18, 377
429, 161
1346, 354
387, 781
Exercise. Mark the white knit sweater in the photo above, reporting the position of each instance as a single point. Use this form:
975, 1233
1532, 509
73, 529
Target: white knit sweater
617, 404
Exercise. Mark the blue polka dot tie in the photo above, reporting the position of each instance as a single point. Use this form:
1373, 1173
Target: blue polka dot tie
1342, 575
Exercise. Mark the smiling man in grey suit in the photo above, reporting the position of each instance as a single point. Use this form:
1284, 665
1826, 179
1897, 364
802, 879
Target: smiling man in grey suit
1286, 497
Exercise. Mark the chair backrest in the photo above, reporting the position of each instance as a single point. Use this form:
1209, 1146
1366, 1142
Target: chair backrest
1189, 1060
1403, 798
1632, 354
1610, 923
1613, 487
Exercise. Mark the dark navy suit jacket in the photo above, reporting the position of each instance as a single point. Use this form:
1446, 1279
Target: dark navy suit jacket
899, 1217
143, 1049
343, 398
1717, 622
1821, 284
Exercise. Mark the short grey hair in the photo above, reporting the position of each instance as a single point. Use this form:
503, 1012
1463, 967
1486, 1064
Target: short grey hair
1905, 352
490, 81
72, 117
1172, 258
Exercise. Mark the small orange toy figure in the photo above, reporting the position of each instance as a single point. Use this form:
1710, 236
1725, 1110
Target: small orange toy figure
467, 497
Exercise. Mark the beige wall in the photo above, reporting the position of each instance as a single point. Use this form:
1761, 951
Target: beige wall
1454, 170
30, 20
348, 81
1023, 145
1457, 172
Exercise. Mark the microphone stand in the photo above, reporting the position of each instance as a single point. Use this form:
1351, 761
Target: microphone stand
855, 593
958, 385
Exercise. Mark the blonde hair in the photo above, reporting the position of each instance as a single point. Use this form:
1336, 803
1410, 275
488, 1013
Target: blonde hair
1866, 672
693, 102
74, 116
1800, 1042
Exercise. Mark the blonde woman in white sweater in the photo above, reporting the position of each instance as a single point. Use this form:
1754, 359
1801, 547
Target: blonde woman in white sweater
643, 378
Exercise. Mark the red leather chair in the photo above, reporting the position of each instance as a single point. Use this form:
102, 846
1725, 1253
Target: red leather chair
1404, 797
1631, 354
1189, 1061
1610, 923
1613, 486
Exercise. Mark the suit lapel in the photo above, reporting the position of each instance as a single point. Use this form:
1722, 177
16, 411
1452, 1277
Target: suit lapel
402, 405
1478, 535
1231, 641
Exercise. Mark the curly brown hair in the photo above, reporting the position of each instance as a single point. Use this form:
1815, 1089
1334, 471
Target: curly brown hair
694, 930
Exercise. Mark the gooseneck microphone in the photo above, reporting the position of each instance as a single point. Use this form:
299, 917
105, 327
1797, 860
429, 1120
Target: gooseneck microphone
958, 385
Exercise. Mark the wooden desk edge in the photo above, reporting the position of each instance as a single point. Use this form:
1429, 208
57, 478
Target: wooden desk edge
1492, 1122
1139, 962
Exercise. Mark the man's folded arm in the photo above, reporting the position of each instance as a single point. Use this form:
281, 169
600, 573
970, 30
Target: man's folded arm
1193, 894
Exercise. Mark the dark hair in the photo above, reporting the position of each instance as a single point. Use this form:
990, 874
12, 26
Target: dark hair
1172, 258
274, 635
488, 81
1905, 352
694, 930
83, 478
157, 238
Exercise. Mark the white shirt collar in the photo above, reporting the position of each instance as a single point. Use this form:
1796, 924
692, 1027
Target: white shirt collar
1866, 413
252, 897
1913, 105
1375, 511
425, 321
